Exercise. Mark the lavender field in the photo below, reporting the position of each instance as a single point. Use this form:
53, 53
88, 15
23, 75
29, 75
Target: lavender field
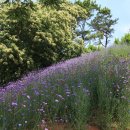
93, 89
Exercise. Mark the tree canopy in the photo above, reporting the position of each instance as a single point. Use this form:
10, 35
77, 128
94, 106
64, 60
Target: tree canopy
42, 33
102, 25
98, 27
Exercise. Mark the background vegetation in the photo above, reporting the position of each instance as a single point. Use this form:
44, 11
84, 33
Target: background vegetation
36, 35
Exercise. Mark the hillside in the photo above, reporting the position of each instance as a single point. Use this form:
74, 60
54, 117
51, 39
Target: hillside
92, 89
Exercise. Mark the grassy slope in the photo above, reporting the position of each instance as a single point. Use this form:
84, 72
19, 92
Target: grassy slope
60, 83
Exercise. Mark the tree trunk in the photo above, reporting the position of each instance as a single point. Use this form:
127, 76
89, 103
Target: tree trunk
106, 41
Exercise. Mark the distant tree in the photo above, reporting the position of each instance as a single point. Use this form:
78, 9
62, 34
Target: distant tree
124, 40
102, 25
92, 48
97, 26
117, 41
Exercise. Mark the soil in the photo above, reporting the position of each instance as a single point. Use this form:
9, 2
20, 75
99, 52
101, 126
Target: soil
61, 126
93, 128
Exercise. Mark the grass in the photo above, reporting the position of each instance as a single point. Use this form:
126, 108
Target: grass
92, 89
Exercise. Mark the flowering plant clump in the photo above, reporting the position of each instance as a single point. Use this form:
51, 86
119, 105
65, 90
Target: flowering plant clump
91, 89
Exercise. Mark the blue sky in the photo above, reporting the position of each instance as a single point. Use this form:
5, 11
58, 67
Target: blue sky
119, 9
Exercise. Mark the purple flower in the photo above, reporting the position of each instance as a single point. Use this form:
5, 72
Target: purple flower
14, 104
36, 93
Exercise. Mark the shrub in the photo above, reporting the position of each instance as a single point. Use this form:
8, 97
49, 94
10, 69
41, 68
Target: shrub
13, 62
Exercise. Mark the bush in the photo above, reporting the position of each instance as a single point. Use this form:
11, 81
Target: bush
13, 63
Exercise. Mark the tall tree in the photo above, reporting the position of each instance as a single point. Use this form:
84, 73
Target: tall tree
102, 25
97, 26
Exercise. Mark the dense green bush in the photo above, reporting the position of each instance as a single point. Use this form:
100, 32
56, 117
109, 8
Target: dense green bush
44, 34
13, 62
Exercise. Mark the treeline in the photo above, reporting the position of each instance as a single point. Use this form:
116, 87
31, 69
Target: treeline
39, 34
124, 40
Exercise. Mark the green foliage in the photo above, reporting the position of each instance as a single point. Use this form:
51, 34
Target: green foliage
124, 40
92, 48
117, 41
102, 25
51, 2
83, 30
44, 33
13, 62
99, 24
89, 5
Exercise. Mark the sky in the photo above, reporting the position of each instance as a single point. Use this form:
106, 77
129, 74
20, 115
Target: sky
119, 9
